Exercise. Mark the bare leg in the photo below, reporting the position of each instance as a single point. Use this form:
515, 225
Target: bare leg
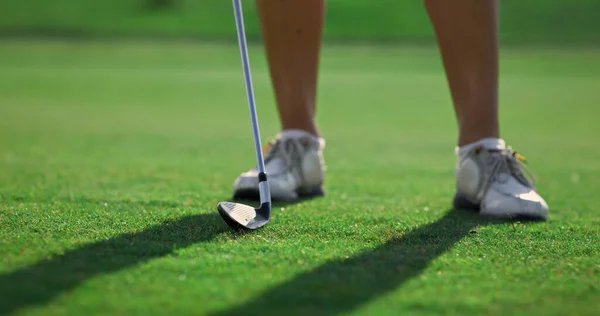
467, 35
292, 33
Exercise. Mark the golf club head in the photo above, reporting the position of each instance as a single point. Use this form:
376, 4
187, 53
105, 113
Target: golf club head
242, 216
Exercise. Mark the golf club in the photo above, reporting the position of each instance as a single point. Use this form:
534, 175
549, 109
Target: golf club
237, 215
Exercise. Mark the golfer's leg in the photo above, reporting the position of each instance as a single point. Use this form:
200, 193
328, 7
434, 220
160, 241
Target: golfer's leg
292, 32
467, 36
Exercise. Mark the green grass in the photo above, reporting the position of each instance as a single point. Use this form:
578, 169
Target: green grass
113, 156
549, 21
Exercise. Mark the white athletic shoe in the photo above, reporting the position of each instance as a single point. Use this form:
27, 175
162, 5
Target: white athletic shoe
492, 181
294, 165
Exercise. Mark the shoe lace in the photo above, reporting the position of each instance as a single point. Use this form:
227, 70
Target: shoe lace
288, 150
517, 164
510, 160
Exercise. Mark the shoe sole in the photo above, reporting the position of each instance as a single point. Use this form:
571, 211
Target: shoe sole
254, 195
460, 202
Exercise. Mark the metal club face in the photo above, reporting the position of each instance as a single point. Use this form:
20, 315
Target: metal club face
242, 216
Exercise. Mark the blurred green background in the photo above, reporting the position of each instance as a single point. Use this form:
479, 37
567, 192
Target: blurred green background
522, 21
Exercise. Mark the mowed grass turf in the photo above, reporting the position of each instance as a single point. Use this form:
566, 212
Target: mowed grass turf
113, 156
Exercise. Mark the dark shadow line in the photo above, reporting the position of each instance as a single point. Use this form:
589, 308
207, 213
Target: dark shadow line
342, 285
41, 282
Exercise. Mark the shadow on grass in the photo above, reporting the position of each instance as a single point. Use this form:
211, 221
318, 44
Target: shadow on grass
39, 283
92, 200
339, 286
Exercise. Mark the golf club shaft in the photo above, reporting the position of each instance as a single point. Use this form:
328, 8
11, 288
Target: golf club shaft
239, 21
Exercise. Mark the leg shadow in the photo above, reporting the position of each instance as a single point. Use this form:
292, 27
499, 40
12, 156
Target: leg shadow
342, 285
41, 282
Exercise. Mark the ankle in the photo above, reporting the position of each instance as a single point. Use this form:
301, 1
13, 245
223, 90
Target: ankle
472, 130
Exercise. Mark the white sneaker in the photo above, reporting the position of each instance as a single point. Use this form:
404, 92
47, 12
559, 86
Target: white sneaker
492, 181
294, 165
